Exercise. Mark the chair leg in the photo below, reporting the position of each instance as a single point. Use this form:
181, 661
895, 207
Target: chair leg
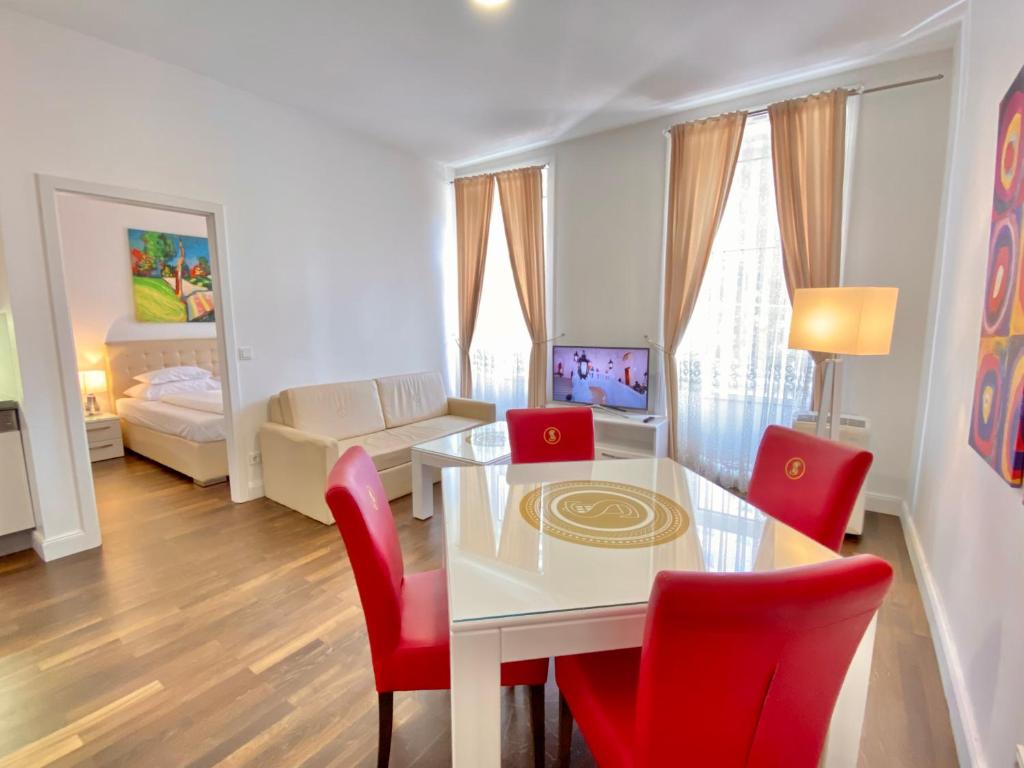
564, 731
537, 724
385, 712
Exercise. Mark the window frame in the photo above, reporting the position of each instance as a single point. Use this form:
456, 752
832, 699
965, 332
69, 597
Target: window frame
545, 159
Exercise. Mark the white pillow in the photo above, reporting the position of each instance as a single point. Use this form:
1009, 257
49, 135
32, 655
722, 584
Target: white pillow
156, 391
174, 373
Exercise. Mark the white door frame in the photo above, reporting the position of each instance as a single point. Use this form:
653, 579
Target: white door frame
67, 359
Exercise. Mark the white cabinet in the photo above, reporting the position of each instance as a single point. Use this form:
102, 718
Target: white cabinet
629, 436
16, 506
104, 433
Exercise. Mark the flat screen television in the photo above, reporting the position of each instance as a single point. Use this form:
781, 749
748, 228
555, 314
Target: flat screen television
611, 376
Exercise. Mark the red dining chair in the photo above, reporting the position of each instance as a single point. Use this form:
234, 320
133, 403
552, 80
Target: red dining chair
550, 434
808, 483
735, 669
406, 613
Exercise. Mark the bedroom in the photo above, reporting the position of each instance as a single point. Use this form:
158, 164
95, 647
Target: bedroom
142, 305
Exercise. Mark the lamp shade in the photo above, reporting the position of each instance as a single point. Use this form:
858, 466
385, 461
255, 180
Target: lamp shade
843, 321
93, 381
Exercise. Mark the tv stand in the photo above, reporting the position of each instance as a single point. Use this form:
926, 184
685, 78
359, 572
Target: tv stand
610, 410
626, 435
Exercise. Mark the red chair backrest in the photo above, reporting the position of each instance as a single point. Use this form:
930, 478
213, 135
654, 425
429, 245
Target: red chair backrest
808, 483
550, 434
361, 510
745, 669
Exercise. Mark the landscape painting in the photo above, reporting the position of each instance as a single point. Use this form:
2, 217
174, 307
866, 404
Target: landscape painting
997, 420
171, 280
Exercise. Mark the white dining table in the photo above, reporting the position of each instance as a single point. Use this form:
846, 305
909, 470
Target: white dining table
545, 560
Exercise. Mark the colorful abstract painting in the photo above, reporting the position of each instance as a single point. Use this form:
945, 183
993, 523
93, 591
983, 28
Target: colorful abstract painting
997, 430
171, 280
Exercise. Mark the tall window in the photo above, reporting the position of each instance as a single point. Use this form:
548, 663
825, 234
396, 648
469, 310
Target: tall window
500, 352
736, 374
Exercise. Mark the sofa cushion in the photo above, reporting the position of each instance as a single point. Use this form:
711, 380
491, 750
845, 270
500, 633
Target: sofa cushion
340, 410
412, 397
430, 429
393, 447
387, 450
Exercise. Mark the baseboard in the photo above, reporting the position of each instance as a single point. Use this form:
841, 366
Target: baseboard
965, 729
884, 503
61, 546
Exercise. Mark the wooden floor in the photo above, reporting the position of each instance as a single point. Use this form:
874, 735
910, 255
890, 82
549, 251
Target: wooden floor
207, 633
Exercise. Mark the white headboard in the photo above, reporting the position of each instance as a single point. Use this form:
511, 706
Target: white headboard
127, 359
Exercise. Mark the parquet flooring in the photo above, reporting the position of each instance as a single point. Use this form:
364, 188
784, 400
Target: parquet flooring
207, 633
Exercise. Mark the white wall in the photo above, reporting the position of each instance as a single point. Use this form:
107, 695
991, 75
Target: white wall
895, 203
97, 272
608, 224
966, 526
333, 240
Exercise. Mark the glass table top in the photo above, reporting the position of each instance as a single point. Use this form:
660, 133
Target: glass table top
537, 538
485, 444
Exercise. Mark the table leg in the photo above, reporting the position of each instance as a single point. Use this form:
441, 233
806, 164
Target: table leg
842, 747
476, 699
422, 489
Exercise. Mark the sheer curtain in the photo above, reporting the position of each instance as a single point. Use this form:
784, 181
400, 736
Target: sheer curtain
736, 374
500, 352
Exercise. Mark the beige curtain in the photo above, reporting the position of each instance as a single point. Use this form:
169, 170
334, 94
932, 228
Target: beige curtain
473, 198
702, 161
808, 156
521, 193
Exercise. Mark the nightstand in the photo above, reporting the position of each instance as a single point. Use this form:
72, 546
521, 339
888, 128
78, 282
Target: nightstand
104, 433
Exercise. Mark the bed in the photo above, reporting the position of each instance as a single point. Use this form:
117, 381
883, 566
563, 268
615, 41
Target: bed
185, 434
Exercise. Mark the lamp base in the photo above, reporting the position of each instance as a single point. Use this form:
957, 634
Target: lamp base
92, 408
829, 409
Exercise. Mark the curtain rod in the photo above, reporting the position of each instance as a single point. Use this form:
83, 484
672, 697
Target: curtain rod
503, 170
764, 110
852, 92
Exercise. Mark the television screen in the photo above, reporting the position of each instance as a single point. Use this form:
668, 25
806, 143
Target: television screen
612, 376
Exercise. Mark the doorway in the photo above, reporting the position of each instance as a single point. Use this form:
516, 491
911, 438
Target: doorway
160, 267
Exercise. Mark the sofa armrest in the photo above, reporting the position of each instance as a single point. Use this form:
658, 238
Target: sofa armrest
472, 409
295, 468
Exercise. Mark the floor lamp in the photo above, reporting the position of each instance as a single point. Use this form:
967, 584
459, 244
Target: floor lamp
837, 322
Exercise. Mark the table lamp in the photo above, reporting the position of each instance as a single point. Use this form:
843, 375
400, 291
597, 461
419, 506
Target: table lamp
841, 321
92, 382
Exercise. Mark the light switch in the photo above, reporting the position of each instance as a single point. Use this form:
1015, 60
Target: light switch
245, 353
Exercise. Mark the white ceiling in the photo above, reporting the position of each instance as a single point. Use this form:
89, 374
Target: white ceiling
453, 82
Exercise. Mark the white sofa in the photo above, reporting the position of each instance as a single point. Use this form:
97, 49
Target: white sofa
311, 427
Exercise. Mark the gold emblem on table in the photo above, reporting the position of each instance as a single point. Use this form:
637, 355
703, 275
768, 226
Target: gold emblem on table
599, 513
795, 468
552, 436
487, 438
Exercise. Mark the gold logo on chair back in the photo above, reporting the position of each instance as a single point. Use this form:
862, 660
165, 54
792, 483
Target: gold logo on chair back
795, 468
552, 436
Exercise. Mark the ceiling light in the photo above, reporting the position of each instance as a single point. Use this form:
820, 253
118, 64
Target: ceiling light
490, 4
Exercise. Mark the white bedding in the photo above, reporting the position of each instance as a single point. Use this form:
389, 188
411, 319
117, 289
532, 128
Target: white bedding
210, 402
197, 426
